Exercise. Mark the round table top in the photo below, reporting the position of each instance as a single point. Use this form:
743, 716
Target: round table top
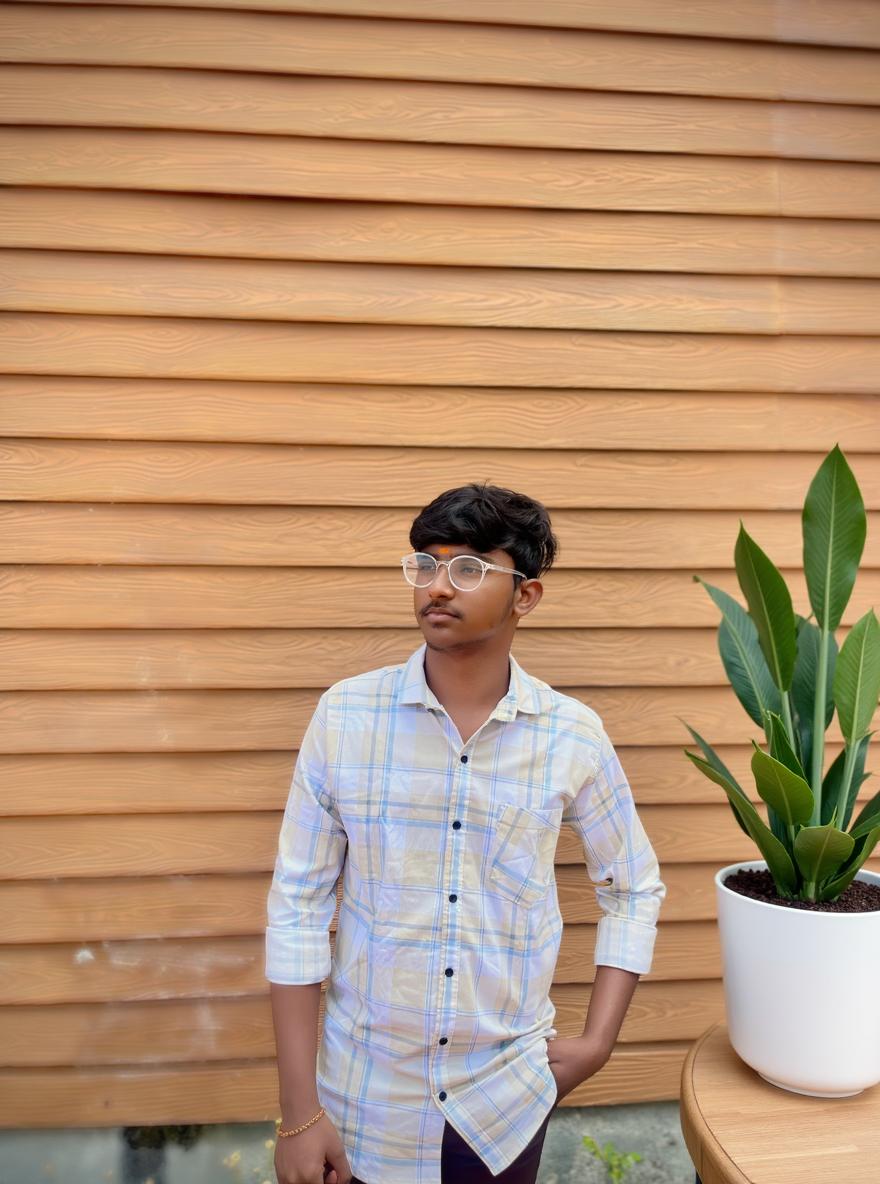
739, 1129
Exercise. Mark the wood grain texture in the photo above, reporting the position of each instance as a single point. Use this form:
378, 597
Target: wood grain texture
184, 1032
740, 1129
848, 22
255, 227
604, 540
63, 784
131, 471
138, 285
468, 175
247, 1091
246, 720
63, 606
352, 47
165, 659
132, 347
434, 112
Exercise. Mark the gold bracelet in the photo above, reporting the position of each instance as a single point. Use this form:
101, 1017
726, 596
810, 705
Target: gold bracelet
283, 1134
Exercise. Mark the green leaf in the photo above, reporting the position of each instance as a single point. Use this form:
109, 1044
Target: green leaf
777, 857
741, 655
770, 607
716, 762
804, 681
863, 848
782, 751
780, 745
869, 816
834, 529
832, 781
821, 851
787, 792
857, 677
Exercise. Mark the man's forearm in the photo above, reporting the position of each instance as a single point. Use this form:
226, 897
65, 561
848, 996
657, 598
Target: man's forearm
295, 1019
609, 1000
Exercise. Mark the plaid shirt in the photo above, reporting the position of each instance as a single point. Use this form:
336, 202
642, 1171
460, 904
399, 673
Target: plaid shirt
449, 928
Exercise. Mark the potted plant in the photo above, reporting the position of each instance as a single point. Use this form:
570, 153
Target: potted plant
800, 928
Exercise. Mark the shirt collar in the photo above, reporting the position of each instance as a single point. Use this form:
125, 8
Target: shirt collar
522, 694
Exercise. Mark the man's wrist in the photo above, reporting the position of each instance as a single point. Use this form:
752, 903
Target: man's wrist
296, 1113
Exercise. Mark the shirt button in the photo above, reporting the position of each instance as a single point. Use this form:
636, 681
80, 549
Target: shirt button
449, 972
453, 897
442, 1095
456, 825
444, 1040
464, 760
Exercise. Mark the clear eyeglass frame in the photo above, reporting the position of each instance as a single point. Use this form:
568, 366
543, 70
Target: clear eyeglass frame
484, 564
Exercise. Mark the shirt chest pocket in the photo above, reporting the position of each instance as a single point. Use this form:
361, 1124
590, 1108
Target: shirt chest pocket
524, 844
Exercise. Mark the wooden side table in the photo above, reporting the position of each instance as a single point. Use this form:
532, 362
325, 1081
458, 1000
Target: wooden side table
739, 1129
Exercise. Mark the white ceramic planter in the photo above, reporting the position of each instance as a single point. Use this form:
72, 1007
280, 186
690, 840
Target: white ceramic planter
801, 991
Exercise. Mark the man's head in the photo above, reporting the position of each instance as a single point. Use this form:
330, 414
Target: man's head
498, 526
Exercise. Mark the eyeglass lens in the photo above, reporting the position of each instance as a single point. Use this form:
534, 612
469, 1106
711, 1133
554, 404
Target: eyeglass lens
465, 572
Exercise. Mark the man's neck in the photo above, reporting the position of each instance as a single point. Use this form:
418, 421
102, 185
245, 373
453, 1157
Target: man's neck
468, 682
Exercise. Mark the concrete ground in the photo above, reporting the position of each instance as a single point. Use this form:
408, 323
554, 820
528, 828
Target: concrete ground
238, 1154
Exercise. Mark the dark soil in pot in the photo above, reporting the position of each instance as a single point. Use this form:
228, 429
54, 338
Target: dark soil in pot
859, 897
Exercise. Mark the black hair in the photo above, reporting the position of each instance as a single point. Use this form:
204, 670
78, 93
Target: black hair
489, 518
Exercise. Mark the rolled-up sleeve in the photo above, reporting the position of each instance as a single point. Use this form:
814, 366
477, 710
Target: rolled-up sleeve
621, 863
310, 857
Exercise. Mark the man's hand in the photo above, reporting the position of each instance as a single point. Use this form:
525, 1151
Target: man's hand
573, 1060
316, 1156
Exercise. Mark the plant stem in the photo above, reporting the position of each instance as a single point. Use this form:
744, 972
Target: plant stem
849, 763
818, 754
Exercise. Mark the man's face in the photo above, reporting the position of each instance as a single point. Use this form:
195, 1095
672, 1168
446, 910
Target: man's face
466, 617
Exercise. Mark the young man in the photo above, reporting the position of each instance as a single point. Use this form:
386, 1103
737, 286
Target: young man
438, 787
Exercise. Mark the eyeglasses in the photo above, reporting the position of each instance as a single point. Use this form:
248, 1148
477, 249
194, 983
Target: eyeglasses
465, 571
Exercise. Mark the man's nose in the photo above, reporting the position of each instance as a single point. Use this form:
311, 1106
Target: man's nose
442, 574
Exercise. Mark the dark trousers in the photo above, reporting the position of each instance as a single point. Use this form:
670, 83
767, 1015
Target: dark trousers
460, 1165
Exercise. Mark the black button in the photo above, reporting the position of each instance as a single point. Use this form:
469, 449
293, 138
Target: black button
444, 1040
442, 1095
456, 825
464, 760
449, 972
453, 897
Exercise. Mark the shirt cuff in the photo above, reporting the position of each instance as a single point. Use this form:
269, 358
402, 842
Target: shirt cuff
296, 957
626, 944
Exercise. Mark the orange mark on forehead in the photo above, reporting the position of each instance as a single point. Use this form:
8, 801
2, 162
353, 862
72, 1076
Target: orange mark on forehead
444, 550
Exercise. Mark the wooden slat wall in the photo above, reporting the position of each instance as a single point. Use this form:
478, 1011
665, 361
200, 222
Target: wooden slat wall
253, 254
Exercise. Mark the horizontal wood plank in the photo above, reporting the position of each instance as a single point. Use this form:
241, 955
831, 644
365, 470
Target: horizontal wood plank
56, 603
139, 535
226, 904
215, 658
58, 407
433, 112
395, 232
70, 783
248, 1091
230, 967
140, 285
168, 347
183, 1032
848, 22
218, 842
112, 470
275, 42
289, 166
114, 908
247, 720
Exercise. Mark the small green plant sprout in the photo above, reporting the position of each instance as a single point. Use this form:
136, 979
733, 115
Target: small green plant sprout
790, 676
616, 1163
